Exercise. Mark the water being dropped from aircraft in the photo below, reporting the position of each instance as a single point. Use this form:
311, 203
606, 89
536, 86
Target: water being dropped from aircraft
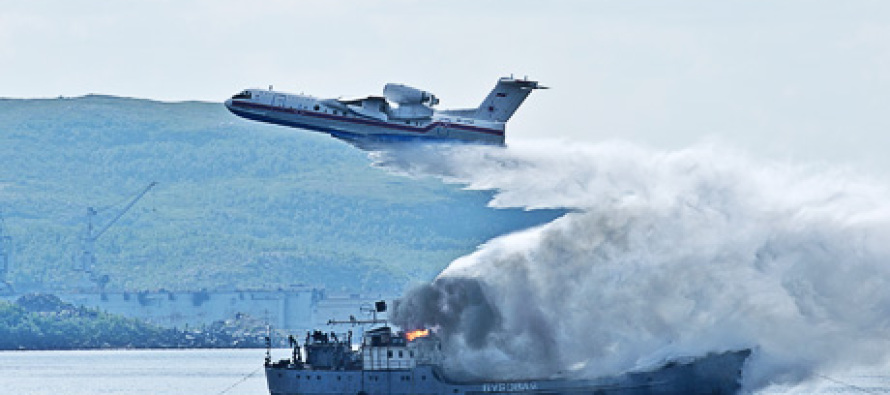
664, 253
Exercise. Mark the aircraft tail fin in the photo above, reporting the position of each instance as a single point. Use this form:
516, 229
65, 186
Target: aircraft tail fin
505, 98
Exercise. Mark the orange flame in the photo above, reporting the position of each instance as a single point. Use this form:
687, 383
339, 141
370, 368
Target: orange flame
411, 335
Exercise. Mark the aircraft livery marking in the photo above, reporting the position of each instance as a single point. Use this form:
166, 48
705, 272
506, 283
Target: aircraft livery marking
407, 128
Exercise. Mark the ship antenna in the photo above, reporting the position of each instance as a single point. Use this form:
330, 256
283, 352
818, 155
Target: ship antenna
268, 344
379, 307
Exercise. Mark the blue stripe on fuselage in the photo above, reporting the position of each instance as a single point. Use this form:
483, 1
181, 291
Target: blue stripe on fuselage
279, 121
364, 141
363, 121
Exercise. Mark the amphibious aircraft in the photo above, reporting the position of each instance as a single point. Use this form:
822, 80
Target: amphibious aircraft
403, 113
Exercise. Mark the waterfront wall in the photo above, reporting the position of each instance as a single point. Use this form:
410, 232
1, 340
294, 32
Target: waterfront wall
290, 310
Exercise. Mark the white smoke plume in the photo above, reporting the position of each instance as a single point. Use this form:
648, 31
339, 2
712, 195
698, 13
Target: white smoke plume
662, 253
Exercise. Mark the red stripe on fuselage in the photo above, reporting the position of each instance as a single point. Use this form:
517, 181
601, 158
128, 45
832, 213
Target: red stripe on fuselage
407, 128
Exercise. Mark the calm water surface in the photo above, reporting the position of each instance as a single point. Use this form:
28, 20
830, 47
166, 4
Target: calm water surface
230, 372
134, 372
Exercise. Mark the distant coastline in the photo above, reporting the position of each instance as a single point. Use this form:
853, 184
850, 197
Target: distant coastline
45, 322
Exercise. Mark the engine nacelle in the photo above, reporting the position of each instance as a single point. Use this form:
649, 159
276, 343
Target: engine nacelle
406, 95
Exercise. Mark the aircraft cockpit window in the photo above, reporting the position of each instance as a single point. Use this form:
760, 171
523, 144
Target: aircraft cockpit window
242, 95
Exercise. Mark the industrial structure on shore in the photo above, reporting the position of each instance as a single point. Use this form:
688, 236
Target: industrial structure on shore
295, 308
5, 259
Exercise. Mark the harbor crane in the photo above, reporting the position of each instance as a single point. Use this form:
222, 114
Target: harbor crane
5, 259
87, 259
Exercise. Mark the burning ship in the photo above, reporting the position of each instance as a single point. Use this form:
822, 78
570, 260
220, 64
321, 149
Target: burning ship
405, 363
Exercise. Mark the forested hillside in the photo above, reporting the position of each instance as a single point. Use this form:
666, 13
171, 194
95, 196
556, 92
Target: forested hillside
238, 204
45, 322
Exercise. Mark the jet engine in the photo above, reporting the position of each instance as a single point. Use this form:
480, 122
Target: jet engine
406, 95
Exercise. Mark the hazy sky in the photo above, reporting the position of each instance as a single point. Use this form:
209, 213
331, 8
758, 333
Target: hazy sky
806, 80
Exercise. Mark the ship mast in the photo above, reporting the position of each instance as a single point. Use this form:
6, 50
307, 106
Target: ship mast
379, 307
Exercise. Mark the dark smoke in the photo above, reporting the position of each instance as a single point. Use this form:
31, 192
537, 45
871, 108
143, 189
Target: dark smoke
453, 306
462, 313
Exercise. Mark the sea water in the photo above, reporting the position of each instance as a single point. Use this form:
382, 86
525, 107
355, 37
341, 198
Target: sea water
236, 372
134, 372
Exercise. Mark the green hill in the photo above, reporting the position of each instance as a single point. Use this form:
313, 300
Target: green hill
45, 322
239, 204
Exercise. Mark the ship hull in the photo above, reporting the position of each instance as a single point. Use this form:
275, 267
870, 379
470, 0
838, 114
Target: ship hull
712, 374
